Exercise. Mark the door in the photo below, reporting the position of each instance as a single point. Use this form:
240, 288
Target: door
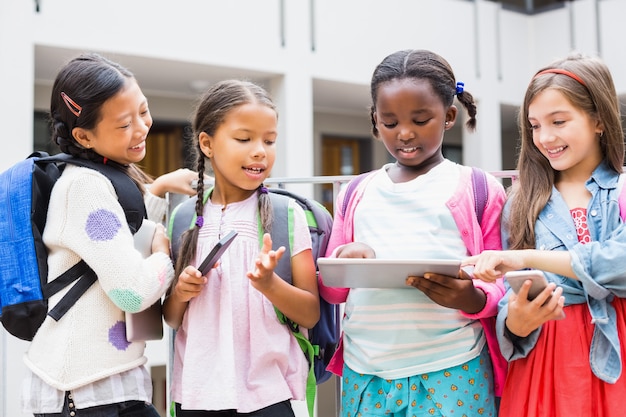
340, 156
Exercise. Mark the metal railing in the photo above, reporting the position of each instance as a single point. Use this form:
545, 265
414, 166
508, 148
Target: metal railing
338, 180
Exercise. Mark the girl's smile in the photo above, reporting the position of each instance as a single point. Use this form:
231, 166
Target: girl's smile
564, 134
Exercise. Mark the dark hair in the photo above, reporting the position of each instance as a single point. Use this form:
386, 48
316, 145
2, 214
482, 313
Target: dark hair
423, 65
88, 81
596, 96
216, 103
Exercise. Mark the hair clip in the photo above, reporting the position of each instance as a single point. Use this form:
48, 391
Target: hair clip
263, 189
71, 104
200, 221
459, 87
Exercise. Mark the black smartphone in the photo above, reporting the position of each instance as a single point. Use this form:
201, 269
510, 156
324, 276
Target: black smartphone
216, 253
517, 278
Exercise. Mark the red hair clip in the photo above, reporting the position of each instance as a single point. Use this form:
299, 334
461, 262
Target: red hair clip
71, 104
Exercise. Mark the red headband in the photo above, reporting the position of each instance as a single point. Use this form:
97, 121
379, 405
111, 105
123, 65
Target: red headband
561, 71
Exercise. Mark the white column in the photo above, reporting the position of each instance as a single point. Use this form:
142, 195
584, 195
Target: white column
293, 94
16, 79
483, 148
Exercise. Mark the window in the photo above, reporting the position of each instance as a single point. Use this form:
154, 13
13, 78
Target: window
531, 6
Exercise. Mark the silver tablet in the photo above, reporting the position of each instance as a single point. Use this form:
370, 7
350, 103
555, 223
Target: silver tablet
381, 273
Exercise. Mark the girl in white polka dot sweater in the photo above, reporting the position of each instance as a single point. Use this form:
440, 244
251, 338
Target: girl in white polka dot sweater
84, 360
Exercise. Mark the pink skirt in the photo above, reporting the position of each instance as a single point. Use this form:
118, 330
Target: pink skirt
556, 378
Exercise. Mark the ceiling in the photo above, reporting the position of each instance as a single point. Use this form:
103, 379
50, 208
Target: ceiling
177, 79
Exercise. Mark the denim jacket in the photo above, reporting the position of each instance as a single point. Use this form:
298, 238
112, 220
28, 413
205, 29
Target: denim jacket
599, 265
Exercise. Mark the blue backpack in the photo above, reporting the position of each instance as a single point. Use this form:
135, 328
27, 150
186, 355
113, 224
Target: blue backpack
323, 339
24, 195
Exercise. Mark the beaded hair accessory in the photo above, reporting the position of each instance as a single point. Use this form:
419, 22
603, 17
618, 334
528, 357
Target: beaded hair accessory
263, 189
563, 72
460, 87
200, 221
71, 104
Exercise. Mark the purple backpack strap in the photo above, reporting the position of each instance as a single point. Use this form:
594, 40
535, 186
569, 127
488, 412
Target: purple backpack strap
622, 197
479, 182
354, 182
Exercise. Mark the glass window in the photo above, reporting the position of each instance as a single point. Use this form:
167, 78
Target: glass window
531, 6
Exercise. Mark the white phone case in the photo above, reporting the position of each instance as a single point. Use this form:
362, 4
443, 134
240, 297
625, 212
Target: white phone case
517, 278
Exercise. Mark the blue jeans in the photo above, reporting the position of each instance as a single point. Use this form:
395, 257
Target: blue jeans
282, 409
123, 409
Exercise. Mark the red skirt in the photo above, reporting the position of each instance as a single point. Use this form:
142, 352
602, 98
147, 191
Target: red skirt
555, 379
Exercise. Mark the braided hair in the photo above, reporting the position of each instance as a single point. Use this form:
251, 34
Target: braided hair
422, 65
212, 109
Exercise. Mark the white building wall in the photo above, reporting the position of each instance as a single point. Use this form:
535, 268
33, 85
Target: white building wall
494, 51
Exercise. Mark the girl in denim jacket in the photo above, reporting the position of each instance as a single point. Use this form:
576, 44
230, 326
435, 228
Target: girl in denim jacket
563, 217
426, 351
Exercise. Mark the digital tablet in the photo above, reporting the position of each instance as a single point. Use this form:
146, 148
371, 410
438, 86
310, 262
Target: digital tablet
381, 273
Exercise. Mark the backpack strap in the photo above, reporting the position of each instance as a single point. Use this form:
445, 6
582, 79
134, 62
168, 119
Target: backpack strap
479, 183
282, 235
282, 232
81, 272
622, 196
128, 194
310, 352
131, 200
352, 184
182, 219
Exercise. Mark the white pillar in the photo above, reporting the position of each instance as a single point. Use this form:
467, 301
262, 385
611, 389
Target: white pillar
293, 94
483, 148
16, 79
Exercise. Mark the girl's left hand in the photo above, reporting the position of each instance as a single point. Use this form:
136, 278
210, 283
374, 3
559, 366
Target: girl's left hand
450, 292
261, 277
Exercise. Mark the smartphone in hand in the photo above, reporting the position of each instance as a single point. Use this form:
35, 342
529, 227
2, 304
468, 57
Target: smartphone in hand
216, 253
517, 278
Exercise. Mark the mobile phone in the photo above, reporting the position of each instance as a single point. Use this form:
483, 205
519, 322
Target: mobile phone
517, 278
216, 253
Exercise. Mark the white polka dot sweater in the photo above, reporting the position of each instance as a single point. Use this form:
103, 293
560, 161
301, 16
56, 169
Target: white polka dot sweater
85, 221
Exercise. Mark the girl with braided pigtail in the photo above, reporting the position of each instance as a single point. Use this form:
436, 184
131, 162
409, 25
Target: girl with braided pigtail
232, 355
428, 350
